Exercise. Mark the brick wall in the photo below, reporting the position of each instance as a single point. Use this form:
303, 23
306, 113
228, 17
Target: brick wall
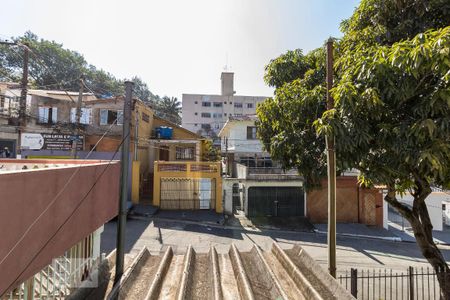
353, 203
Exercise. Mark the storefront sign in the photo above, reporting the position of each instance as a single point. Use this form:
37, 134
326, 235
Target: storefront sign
51, 141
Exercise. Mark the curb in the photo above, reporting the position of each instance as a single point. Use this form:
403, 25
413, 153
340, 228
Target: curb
385, 238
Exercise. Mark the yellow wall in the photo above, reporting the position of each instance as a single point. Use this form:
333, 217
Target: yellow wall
188, 174
141, 166
135, 182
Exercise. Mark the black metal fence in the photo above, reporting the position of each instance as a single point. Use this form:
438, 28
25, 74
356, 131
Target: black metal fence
414, 284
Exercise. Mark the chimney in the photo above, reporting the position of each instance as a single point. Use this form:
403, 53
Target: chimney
227, 79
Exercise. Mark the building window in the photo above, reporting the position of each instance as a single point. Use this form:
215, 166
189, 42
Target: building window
225, 114
85, 115
231, 102
217, 115
108, 117
238, 105
251, 133
264, 162
48, 115
238, 115
249, 105
248, 161
206, 104
195, 113
206, 126
225, 102
217, 104
185, 153
196, 102
195, 124
206, 115
217, 125
145, 118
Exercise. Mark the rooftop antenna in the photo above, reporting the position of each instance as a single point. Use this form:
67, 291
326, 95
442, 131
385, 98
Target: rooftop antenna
227, 67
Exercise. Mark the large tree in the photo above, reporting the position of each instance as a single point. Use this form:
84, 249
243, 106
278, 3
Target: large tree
51, 66
285, 121
391, 119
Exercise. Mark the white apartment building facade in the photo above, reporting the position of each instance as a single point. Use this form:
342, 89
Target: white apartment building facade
207, 114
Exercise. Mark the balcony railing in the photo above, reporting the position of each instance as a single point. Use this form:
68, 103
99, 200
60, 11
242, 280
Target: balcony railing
58, 279
195, 167
264, 173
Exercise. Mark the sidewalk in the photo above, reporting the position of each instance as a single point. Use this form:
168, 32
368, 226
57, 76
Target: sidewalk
359, 230
407, 235
202, 216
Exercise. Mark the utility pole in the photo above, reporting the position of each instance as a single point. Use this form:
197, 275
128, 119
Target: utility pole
331, 168
125, 163
78, 118
23, 94
23, 100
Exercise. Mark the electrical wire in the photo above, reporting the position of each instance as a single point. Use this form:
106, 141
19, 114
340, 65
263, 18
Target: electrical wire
42, 63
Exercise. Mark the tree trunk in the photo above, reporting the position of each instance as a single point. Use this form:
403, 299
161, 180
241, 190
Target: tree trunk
420, 221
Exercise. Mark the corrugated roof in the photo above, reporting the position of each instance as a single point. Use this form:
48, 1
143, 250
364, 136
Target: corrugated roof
255, 274
62, 95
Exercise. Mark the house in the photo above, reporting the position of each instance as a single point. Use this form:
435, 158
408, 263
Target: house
438, 206
253, 182
240, 144
260, 187
52, 214
183, 178
207, 114
51, 132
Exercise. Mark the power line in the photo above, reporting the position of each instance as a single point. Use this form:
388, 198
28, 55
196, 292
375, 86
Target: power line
40, 61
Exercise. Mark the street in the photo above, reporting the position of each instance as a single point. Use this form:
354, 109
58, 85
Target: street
352, 252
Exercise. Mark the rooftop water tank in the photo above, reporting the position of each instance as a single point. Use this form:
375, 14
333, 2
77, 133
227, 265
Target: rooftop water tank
164, 132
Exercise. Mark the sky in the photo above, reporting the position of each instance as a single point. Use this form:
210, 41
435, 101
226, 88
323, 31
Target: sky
181, 46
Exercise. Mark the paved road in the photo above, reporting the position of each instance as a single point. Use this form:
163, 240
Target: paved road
351, 252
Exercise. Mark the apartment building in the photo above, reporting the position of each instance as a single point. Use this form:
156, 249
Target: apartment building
207, 114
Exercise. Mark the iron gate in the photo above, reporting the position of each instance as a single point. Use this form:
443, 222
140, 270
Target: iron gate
188, 193
276, 201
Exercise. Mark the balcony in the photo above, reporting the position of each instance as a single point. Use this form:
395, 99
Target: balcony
264, 173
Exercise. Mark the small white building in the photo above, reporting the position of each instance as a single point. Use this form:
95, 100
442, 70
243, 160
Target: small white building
438, 205
254, 183
239, 144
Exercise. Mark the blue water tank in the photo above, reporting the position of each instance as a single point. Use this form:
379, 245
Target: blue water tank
164, 132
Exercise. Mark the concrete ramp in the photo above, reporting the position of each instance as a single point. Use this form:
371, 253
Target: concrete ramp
255, 274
